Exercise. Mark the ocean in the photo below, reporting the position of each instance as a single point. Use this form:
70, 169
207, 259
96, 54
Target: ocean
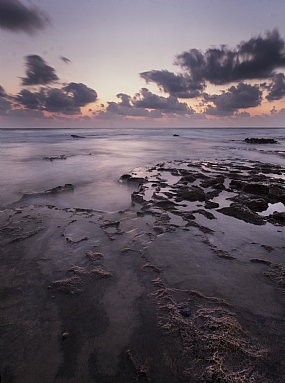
95, 162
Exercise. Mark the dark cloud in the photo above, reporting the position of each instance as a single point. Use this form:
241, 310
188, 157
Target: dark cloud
16, 17
240, 97
38, 72
82, 95
256, 58
125, 100
65, 59
147, 104
57, 101
148, 100
126, 108
29, 99
5, 103
117, 108
277, 88
67, 100
2, 92
181, 86
241, 115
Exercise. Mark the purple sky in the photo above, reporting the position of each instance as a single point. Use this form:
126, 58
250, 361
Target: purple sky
142, 63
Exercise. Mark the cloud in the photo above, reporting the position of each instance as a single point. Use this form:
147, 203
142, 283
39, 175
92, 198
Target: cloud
5, 103
256, 58
58, 101
277, 88
275, 112
242, 115
82, 95
65, 59
2, 92
16, 17
148, 104
29, 99
176, 85
38, 72
26, 113
148, 100
126, 108
66, 100
240, 97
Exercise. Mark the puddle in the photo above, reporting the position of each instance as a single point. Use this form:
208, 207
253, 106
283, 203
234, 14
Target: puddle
272, 207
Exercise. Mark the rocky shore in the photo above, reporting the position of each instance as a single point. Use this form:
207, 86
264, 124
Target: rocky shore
186, 285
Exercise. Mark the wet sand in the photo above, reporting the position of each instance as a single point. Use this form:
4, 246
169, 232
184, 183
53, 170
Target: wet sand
186, 285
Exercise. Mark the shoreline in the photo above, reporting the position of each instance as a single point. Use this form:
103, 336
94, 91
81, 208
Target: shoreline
174, 288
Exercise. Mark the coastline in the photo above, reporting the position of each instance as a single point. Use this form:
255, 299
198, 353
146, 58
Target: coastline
170, 289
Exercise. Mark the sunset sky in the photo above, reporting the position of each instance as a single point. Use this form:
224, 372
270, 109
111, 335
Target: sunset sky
142, 63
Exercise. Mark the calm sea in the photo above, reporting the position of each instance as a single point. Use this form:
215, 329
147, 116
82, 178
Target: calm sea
94, 160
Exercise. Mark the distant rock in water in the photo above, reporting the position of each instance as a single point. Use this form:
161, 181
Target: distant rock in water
260, 141
175, 135
131, 179
60, 189
51, 158
55, 190
76, 136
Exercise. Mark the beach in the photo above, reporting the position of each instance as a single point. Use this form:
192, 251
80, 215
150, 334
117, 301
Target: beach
143, 255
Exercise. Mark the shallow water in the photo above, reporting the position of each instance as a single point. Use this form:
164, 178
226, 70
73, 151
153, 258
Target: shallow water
114, 275
95, 163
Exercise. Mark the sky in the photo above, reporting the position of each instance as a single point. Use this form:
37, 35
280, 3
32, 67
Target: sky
142, 63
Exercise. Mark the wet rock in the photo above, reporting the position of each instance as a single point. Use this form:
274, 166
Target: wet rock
256, 188
260, 141
242, 212
130, 179
187, 216
213, 182
159, 197
211, 205
276, 273
277, 218
159, 229
60, 189
166, 205
256, 260
276, 193
137, 198
184, 309
257, 204
175, 135
205, 213
51, 158
268, 248
64, 335
236, 184
195, 193
94, 257
72, 286
125, 177
76, 136
212, 194
169, 195
187, 178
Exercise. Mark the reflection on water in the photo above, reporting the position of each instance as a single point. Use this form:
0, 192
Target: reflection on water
272, 207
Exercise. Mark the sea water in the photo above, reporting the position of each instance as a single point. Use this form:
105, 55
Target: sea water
36, 160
